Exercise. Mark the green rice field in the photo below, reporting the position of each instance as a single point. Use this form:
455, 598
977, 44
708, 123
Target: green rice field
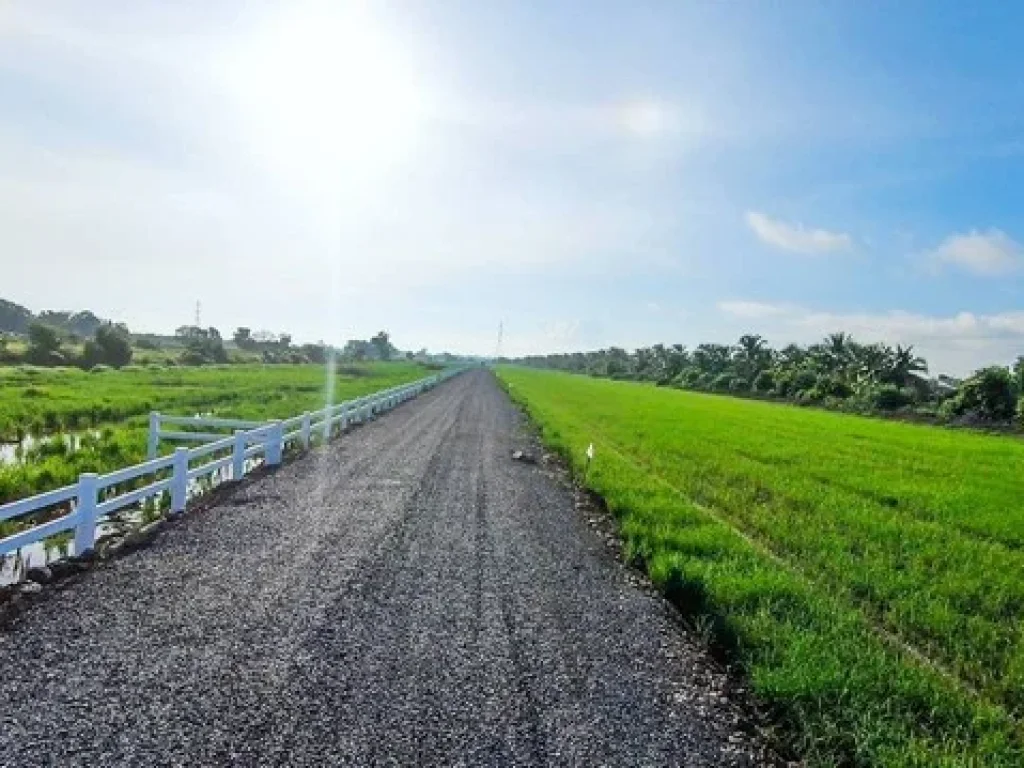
866, 576
108, 409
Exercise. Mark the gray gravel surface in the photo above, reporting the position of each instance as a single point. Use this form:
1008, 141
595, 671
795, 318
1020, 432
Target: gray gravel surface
407, 595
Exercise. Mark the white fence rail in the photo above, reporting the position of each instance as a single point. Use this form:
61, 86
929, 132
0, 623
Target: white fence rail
85, 502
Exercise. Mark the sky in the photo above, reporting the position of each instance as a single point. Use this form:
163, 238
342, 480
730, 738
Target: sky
583, 173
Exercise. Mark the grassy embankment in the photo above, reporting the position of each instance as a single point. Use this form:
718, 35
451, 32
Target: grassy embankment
867, 576
116, 405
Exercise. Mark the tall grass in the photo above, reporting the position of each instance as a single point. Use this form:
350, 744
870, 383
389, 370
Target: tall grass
868, 576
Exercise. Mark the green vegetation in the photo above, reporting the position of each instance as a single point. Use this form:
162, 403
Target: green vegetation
108, 407
82, 339
837, 373
867, 575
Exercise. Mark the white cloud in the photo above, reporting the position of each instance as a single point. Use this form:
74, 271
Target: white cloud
954, 344
751, 309
795, 237
988, 253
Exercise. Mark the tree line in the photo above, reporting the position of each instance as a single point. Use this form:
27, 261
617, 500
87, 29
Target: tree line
66, 338
205, 345
837, 372
110, 345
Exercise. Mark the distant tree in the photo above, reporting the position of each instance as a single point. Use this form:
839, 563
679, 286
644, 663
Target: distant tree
357, 349
202, 345
752, 356
839, 347
792, 356
836, 372
712, 358
81, 324
14, 318
871, 363
115, 344
988, 395
315, 353
904, 366
43, 337
382, 344
1018, 375
243, 338
285, 340
189, 331
43, 345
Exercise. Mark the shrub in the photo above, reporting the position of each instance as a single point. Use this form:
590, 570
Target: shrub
988, 395
689, 379
765, 382
830, 386
739, 384
802, 381
888, 397
722, 382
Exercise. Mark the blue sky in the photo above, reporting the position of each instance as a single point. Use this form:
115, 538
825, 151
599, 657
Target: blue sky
588, 173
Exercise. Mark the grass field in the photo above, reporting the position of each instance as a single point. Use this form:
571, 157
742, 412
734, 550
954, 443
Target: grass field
867, 575
111, 407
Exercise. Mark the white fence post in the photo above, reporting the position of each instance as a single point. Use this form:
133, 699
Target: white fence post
179, 481
154, 435
328, 418
238, 456
305, 430
85, 528
275, 444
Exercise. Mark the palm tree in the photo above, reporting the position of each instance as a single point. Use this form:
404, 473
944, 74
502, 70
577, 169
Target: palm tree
752, 356
712, 358
905, 366
792, 356
839, 347
871, 362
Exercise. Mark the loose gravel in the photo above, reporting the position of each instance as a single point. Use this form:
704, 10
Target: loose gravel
407, 595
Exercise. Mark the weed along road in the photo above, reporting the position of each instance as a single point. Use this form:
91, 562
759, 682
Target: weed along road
406, 595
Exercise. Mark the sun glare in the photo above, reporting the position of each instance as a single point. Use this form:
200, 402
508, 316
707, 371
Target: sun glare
325, 89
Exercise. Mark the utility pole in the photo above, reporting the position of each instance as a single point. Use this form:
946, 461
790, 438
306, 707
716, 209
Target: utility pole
199, 314
501, 333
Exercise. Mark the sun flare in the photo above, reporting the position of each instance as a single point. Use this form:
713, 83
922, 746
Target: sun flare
325, 88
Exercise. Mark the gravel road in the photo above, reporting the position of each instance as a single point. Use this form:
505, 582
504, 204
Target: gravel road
407, 595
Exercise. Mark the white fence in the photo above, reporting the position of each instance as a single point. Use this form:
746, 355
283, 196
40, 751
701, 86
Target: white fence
88, 502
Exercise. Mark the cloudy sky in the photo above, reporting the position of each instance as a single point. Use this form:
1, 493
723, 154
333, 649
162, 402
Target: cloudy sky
588, 173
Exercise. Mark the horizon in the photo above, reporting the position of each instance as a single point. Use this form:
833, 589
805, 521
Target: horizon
586, 175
